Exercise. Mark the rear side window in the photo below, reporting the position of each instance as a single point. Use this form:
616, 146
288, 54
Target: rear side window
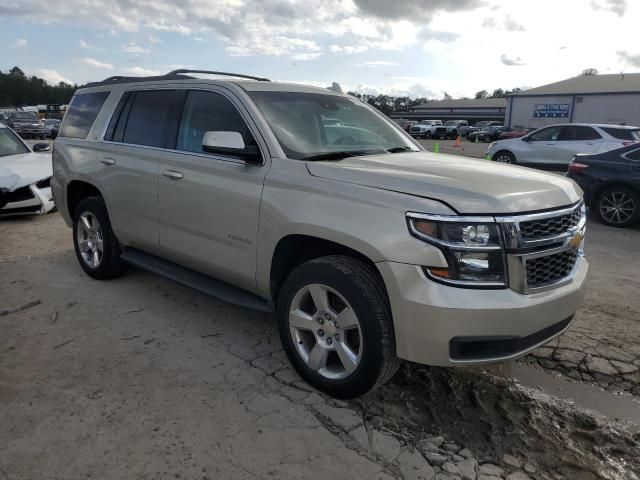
82, 112
635, 155
577, 133
148, 118
208, 111
623, 133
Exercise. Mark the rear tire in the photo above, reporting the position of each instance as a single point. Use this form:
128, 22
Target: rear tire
96, 246
353, 311
504, 156
618, 207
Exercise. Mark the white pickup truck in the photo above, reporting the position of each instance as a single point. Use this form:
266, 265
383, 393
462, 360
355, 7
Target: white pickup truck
425, 128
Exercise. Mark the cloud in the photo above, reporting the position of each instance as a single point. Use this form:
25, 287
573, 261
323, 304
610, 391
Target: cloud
89, 46
52, 76
20, 43
511, 62
377, 63
619, 7
141, 71
151, 38
489, 22
510, 25
631, 59
413, 10
134, 49
306, 56
92, 62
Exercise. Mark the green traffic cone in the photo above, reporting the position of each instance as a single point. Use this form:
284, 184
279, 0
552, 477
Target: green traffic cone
487, 157
436, 148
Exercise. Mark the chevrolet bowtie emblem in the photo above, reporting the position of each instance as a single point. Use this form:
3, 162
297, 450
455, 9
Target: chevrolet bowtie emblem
575, 242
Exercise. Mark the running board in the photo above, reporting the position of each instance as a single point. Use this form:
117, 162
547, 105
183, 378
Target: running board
195, 280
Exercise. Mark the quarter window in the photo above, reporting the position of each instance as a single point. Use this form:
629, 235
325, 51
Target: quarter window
83, 111
208, 111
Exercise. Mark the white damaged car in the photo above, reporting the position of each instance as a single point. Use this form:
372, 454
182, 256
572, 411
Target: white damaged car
25, 176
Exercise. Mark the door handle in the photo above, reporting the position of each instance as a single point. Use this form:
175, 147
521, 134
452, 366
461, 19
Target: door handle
108, 161
172, 174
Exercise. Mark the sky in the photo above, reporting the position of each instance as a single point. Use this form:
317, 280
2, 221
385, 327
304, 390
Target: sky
420, 48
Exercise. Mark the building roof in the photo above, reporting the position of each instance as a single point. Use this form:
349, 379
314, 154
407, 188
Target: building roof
618, 83
464, 103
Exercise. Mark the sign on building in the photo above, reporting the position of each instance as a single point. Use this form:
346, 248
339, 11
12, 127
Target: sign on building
551, 110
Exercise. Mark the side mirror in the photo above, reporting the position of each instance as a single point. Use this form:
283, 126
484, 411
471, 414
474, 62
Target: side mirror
41, 147
232, 144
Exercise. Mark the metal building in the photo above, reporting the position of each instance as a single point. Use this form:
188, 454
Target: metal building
465, 109
611, 99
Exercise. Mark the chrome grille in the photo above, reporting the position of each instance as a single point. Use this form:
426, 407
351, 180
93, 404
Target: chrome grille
550, 269
548, 227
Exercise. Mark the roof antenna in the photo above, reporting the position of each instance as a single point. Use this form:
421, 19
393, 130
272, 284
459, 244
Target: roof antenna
335, 87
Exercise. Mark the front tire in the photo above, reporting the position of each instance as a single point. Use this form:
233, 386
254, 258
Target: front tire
618, 207
96, 246
336, 327
504, 156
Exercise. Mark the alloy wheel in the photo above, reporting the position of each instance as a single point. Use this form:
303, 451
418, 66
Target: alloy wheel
90, 241
617, 207
325, 331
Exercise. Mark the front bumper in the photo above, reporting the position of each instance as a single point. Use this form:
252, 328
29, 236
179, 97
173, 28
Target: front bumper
30, 200
437, 324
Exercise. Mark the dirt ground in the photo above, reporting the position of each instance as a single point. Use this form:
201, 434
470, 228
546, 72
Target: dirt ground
143, 378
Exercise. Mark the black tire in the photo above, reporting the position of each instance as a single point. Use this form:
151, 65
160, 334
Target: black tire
627, 198
427, 136
504, 156
111, 264
363, 289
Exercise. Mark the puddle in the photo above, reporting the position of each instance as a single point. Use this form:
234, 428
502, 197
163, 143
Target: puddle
620, 407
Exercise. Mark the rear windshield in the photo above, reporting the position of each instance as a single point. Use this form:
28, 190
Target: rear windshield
630, 134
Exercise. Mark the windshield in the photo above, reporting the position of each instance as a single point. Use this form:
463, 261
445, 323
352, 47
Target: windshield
10, 144
311, 125
451, 122
25, 116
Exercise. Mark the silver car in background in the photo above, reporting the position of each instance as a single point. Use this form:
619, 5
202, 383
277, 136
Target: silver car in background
557, 144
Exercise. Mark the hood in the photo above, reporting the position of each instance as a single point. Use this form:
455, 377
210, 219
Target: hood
24, 169
469, 186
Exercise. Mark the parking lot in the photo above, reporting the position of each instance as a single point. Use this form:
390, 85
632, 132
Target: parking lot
466, 148
143, 378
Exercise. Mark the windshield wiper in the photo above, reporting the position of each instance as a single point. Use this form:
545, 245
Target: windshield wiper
341, 154
401, 149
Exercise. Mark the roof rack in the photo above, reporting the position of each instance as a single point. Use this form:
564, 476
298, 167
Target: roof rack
180, 74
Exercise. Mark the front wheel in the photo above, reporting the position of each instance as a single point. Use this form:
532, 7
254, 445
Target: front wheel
618, 207
427, 136
504, 156
336, 327
96, 245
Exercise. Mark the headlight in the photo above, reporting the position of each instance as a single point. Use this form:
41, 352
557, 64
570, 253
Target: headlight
471, 246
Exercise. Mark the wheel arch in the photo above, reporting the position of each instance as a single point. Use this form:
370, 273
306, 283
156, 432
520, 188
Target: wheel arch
503, 150
78, 190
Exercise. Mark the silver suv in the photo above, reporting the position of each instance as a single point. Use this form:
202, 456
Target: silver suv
366, 247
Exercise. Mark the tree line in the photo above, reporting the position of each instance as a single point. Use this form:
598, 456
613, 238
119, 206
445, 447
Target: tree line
19, 90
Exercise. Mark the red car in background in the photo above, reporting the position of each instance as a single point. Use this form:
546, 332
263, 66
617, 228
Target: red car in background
517, 132
405, 124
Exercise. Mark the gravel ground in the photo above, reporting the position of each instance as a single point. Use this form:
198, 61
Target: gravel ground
143, 378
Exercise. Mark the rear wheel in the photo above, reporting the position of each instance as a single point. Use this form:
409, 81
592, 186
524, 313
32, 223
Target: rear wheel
503, 156
96, 245
618, 207
335, 325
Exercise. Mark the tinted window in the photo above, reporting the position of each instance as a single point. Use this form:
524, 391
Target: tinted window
152, 118
81, 114
208, 111
545, 134
635, 155
576, 133
623, 133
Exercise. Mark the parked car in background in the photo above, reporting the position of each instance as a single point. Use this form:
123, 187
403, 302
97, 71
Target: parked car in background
366, 247
51, 124
25, 176
515, 132
611, 184
405, 124
28, 125
480, 126
488, 134
425, 128
452, 129
555, 145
